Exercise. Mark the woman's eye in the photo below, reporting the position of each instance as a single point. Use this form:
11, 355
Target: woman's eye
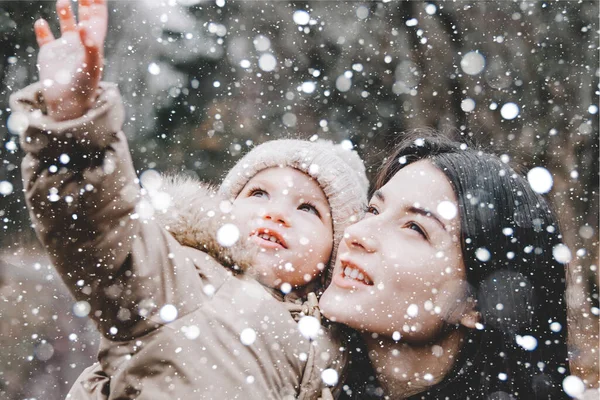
372, 210
309, 208
258, 193
416, 228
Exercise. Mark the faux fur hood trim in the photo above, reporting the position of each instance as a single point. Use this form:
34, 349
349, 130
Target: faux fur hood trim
195, 215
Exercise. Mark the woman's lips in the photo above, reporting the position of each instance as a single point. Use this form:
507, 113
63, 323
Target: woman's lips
351, 276
269, 238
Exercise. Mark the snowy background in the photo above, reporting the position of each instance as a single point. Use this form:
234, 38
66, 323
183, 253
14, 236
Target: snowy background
204, 80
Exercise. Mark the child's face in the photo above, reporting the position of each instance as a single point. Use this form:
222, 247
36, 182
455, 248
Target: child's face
285, 213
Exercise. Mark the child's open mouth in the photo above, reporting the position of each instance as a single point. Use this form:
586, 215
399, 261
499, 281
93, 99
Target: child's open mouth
269, 238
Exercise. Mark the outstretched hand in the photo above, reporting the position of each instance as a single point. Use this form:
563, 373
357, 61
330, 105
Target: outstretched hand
71, 66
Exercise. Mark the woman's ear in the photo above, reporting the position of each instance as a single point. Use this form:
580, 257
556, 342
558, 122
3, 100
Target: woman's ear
470, 316
470, 319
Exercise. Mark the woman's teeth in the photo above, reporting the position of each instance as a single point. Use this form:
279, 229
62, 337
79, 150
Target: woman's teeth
352, 273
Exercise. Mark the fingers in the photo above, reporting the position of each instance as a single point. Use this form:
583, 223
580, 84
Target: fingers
65, 16
98, 8
99, 12
95, 14
84, 10
43, 34
93, 55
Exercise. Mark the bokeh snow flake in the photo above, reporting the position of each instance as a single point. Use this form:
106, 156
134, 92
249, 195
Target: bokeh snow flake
289, 119
248, 336
472, 63
286, 288
308, 87
143, 210
309, 327
573, 386
561, 253
555, 327
153, 68
483, 254
343, 83
412, 22
330, 377
540, 180
509, 111
191, 332
17, 123
6, 188
209, 290
412, 311
430, 9
267, 62
64, 159
44, 351
81, 309
301, 17
53, 195
467, 105
151, 180
347, 144
447, 209
527, 342
168, 313
362, 12
228, 235
262, 43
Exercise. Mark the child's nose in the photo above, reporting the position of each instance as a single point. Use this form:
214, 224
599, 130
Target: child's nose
277, 215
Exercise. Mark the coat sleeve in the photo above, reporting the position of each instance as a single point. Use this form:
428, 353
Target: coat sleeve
81, 191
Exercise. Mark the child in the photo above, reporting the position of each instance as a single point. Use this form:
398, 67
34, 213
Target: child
175, 322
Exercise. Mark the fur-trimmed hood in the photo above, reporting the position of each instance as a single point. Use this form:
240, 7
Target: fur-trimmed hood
195, 214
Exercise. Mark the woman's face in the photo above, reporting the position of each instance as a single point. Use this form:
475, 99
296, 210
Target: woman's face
400, 269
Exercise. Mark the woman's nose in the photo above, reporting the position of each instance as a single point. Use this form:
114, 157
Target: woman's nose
359, 237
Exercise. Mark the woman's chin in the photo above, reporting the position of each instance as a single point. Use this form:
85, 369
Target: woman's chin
331, 305
336, 307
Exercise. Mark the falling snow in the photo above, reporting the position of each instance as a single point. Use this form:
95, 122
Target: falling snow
205, 81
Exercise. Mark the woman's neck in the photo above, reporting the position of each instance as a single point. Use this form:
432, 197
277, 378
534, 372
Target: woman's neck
405, 369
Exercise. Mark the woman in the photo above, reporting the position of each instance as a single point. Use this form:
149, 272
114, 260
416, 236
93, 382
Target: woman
450, 280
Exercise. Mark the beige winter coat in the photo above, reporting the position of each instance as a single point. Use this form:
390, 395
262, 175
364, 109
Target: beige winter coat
219, 335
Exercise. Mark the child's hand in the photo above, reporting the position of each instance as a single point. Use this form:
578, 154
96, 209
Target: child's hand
71, 66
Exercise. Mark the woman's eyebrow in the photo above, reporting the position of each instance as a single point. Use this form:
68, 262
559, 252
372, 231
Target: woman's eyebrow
428, 214
379, 195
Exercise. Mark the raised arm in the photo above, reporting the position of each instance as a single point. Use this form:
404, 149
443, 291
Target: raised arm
81, 188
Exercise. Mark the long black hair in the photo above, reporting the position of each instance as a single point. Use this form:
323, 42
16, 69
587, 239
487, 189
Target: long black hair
508, 235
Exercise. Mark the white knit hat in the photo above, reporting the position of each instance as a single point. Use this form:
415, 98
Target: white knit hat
339, 171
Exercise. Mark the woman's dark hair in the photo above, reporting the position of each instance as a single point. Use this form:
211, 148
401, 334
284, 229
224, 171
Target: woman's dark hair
508, 234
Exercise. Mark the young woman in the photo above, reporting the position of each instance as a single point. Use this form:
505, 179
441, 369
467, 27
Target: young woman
451, 281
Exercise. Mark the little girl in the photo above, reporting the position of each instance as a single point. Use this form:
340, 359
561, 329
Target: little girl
176, 322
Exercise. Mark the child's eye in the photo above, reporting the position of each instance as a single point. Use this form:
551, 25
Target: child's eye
309, 208
258, 192
372, 210
415, 227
